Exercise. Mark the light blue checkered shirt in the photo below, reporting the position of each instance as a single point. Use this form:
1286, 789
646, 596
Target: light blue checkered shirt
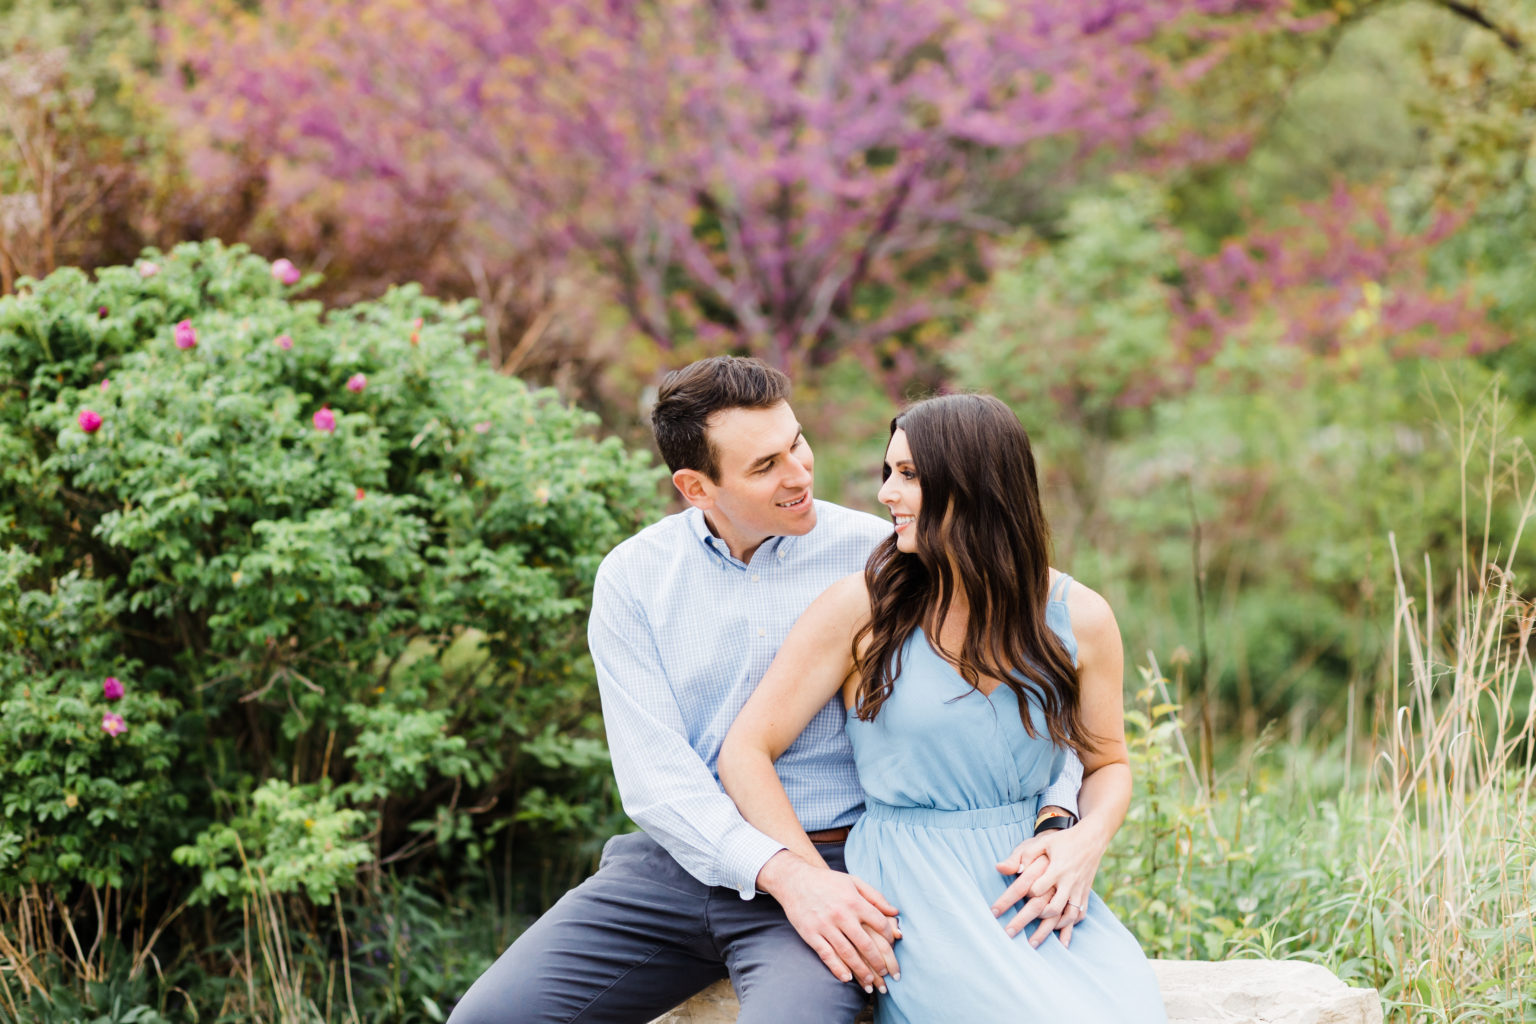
681, 633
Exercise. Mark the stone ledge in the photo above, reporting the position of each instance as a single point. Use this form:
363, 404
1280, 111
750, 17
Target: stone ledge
1194, 992
1261, 992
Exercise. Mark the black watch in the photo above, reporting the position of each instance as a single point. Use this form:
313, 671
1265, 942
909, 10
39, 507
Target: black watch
1054, 822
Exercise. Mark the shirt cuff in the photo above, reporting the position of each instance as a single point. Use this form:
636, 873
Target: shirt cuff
743, 852
1061, 794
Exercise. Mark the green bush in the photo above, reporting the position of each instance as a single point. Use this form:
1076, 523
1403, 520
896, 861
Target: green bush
348, 621
77, 802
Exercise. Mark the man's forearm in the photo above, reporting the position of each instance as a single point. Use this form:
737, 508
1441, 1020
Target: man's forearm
664, 783
699, 826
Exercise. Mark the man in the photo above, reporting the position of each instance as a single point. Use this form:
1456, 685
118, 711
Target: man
686, 617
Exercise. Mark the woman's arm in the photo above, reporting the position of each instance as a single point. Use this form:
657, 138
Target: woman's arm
1073, 855
809, 670
846, 921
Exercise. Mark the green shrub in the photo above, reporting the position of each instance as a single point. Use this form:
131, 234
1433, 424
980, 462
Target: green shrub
77, 802
348, 621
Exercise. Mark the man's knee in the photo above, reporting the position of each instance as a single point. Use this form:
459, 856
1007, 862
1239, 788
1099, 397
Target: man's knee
616, 945
542, 978
476, 1011
792, 984
508, 993
839, 1003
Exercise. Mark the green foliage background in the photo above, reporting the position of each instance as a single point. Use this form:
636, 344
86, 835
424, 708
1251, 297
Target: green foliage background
341, 649
358, 703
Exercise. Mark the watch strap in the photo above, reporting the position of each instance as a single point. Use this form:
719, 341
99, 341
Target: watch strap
1054, 822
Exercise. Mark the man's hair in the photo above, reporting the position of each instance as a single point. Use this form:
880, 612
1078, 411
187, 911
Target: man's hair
690, 396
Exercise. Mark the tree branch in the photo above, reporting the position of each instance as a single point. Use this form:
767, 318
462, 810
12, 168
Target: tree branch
1475, 15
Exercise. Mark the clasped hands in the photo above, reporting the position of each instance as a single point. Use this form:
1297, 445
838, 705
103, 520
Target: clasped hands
845, 920
1055, 876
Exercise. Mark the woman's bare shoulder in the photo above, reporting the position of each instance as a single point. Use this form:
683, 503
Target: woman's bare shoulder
1093, 620
846, 600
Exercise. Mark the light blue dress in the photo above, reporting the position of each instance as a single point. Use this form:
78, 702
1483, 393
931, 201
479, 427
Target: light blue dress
952, 783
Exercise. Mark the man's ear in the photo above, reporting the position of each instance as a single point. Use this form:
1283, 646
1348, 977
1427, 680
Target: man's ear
696, 488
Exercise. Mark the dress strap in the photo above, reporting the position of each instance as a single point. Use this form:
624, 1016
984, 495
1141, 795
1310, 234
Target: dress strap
1059, 591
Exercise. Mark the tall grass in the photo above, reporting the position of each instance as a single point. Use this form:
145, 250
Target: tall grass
1402, 855
1449, 886
400, 953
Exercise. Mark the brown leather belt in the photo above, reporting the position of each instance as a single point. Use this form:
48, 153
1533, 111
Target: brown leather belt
828, 835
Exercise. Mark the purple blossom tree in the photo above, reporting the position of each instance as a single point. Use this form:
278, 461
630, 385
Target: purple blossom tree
778, 176
1334, 276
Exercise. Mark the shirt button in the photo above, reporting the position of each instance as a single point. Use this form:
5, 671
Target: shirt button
762, 632
781, 554
754, 577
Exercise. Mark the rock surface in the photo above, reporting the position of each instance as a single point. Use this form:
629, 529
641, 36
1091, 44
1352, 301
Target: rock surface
1261, 992
1194, 992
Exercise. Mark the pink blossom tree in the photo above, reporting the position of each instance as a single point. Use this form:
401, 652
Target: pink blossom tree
1333, 276
782, 177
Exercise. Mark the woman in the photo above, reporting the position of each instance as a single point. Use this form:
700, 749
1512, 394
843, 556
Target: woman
968, 666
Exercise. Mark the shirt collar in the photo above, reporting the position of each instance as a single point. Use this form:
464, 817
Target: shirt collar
714, 545
779, 547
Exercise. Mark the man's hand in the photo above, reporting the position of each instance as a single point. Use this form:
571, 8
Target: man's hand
842, 918
1055, 875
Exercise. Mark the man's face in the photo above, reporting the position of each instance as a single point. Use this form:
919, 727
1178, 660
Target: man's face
764, 484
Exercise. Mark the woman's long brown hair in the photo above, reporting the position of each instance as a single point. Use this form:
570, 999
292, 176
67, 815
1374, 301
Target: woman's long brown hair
980, 530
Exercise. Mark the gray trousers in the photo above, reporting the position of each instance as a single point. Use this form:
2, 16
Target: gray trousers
641, 936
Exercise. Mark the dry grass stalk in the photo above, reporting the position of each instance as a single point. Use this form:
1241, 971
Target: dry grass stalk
1452, 876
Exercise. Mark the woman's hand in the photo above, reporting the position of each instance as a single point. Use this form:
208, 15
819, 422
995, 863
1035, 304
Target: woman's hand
1055, 875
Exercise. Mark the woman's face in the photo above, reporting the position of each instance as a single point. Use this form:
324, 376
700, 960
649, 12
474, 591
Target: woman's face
900, 492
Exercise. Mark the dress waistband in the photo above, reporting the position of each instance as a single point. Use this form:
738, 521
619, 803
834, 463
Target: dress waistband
939, 817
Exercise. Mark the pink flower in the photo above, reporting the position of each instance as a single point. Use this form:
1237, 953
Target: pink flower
356, 383
101, 312
325, 420
105, 382
90, 421
361, 494
111, 688
186, 336
148, 269
286, 272
483, 427
283, 342
113, 725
